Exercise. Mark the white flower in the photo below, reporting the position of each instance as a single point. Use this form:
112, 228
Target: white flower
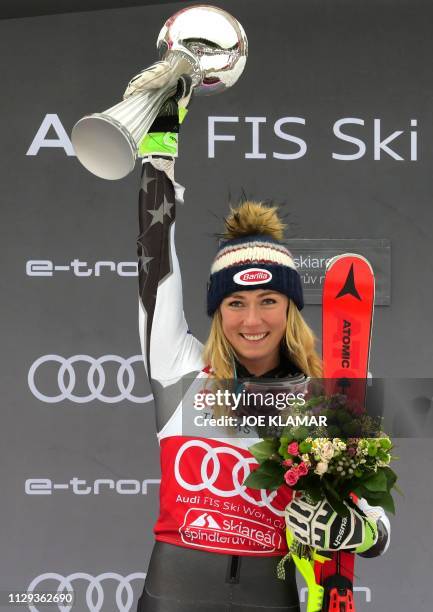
338, 444
321, 468
326, 451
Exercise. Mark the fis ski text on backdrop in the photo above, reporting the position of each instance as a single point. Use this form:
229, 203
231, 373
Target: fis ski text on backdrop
400, 144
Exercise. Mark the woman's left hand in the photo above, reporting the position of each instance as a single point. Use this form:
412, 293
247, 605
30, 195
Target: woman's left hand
321, 527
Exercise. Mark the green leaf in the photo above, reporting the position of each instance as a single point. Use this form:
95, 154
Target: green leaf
334, 499
330, 487
390, 475
315, 493
385, 500
269, 475
311, 484
336, 504
358, 480
305, 447
360, 491
349, 487
307, 488
377, 482
375, 495
264, 450
282, 450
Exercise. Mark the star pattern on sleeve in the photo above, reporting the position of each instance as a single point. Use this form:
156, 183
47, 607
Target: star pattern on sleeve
158, 213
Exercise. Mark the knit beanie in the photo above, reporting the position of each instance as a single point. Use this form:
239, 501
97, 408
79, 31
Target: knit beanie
253, 256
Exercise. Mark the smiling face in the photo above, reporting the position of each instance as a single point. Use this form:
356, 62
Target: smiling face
254, 322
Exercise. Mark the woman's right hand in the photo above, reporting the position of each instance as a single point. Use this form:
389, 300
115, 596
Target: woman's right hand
162, 137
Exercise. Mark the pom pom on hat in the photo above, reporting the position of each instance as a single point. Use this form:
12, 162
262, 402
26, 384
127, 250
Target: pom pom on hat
253, 218
252, 256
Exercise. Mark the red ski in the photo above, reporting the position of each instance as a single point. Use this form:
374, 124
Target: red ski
347, 319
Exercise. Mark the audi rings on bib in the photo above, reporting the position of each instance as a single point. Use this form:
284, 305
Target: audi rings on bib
66, 387
243, 463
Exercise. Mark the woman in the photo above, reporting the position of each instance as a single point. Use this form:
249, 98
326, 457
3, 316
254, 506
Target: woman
217, 542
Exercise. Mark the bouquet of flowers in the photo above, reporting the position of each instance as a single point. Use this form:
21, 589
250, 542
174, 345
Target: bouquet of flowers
351, 455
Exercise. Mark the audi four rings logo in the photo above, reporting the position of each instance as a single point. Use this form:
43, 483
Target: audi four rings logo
94, 591
66, 379
207, 482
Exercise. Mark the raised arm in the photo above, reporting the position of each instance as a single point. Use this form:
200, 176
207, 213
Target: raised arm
169, 349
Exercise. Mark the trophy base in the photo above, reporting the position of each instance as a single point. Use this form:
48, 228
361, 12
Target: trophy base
104, 146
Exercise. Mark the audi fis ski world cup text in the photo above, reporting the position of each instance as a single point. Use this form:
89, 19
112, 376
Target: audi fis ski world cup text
351, 135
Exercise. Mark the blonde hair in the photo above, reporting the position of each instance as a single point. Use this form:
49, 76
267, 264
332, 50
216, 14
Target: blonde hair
299, 342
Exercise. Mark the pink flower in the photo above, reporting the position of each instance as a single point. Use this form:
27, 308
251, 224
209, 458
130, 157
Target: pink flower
293, 448
287, 462
291, 477
302, 469
351, 451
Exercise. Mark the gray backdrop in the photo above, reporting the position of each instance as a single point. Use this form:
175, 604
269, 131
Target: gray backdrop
367, 61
